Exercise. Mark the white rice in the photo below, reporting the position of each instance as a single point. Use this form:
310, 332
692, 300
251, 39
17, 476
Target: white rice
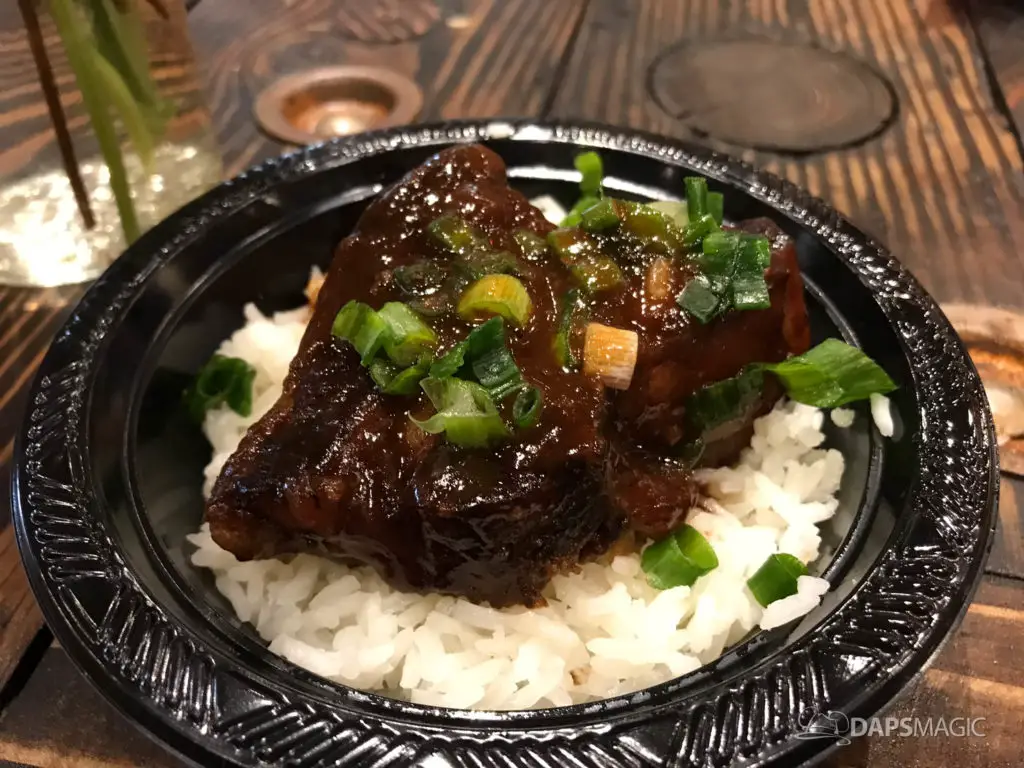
603, 632
881, 412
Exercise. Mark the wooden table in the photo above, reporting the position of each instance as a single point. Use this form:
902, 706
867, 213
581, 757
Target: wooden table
929, 161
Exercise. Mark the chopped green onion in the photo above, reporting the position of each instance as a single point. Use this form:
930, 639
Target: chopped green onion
724, 402
527, 407
696, 196
392, 380
484, 358
466, 414
592, 171
732, 275
478, 263
490, 361
532, 246
575, 214
455, 235
562, 343
594, 269
420, 278
696, 231
408, 336
831, 374
223, 380
716, 206
451, 362
501, 295
679, 559
650, 225
363, 328
600, 216
776, 579
674, 209
699, 300
749, 290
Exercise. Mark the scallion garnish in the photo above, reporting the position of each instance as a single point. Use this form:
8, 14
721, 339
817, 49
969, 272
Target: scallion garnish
723, 402
501, 295
562, 343
696, 196
600, 216
466, 414
393, 380
455, 235
679, 559
696, 231
699, 300
831, 374
595, 270
732, 275
776, 579
591, 174
716, 206
363, 328
408, 337
490, 362
527, 407
591, 171
223, 380
478, 263
484, 358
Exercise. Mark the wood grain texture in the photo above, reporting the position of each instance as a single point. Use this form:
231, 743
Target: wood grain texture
935, 186
999, 25
28, 320
494, 58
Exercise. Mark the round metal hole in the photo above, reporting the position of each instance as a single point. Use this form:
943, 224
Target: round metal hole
319, 104
771, 95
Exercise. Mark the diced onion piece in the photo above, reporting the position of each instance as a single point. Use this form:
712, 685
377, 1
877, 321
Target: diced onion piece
679, 559
611, 354
501, 295
658, 283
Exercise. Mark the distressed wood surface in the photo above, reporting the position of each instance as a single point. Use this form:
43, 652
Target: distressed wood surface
939, 180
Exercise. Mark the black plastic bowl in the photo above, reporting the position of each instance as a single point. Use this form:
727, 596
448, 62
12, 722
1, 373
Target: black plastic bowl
108, 475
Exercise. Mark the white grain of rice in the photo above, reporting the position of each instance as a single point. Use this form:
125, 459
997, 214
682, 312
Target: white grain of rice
604, 630
843, 417
881, 412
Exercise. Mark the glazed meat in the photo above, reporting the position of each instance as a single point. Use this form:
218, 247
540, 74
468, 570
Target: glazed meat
337, 467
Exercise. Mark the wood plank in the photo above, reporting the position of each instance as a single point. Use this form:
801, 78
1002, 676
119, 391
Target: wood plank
28, 320
999, 25
476, 58
60, 721
933, 185
979, 674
